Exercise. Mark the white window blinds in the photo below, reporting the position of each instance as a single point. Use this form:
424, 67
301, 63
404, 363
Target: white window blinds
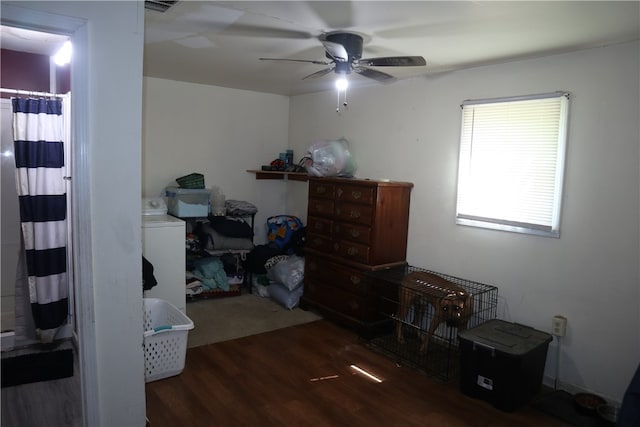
511, 163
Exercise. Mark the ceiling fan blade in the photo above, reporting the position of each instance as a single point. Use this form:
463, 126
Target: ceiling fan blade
394, 61
333, 14
374, 74
266, 32
296, 60
336, 51
319, 73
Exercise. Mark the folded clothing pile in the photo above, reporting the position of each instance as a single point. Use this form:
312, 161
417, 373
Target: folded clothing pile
210, 272
223, 233
240, 208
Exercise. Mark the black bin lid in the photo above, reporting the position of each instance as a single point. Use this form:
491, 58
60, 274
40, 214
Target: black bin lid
510, 338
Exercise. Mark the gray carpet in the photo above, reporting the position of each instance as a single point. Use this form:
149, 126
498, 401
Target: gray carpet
223, 319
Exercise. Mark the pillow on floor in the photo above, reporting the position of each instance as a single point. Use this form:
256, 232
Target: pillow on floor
282, 295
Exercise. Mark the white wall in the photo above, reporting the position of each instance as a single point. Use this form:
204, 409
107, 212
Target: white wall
112, 94
218, 132
409, 131
10, 230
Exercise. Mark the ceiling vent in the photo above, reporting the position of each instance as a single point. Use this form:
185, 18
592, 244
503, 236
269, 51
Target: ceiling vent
158, 5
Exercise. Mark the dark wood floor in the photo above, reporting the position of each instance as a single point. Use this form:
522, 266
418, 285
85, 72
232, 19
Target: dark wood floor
302, 376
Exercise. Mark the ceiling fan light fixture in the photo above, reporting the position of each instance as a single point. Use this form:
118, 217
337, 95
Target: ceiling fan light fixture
343, 68
63, 56
342, 83
344, 52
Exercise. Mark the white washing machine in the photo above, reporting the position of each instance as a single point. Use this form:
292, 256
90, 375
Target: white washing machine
163, 245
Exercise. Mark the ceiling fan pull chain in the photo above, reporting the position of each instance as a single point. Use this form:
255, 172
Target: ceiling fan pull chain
344, 103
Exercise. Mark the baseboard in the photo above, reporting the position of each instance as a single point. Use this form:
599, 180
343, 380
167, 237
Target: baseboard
573, 389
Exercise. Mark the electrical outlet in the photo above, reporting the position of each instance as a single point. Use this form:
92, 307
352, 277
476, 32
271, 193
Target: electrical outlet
559, 326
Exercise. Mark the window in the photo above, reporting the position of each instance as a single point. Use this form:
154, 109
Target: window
512, 163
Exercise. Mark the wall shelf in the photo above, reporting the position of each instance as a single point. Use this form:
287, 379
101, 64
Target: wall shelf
292, 176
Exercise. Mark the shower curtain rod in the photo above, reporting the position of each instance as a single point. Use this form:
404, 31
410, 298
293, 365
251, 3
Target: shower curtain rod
29, 92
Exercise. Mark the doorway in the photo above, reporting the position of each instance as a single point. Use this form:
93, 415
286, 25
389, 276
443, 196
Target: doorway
77, 29
18, 337
27, 69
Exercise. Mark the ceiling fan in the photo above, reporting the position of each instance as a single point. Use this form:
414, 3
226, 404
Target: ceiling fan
344, 50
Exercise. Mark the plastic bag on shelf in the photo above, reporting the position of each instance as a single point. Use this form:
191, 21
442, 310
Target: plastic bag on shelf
330, 158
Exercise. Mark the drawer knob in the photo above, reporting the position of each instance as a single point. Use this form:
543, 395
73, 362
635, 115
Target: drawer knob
355, 214
339, 192
355, 280
321, 189
355, 233
356, 194
352, 251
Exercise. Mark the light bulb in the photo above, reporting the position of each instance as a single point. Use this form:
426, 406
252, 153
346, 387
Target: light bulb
63, 56
342, 84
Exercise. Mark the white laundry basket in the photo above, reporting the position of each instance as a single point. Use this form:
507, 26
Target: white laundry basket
166, 330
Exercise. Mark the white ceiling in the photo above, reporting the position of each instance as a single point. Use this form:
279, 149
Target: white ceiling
220, 42
30, 41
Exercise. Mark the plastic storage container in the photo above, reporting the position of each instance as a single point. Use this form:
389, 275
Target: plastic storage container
218, 206
166, 330
184, 203
502, 363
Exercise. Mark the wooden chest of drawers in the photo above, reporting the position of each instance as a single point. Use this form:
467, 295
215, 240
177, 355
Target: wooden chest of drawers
353, 226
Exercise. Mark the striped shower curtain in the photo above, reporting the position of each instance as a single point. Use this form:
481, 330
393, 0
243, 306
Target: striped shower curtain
38, 131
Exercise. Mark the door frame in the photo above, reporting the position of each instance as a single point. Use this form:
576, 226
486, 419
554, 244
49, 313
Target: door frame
77, 30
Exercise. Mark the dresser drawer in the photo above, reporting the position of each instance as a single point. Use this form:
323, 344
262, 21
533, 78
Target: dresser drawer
320, 270
320, 207
321, 189
337, 299
352, 232
352, 251
356, 194
319, 242
318, 225
362, 214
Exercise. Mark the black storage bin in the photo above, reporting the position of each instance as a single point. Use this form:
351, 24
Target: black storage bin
502, 363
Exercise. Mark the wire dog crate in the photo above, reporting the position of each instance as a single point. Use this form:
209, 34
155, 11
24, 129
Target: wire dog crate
424, 311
